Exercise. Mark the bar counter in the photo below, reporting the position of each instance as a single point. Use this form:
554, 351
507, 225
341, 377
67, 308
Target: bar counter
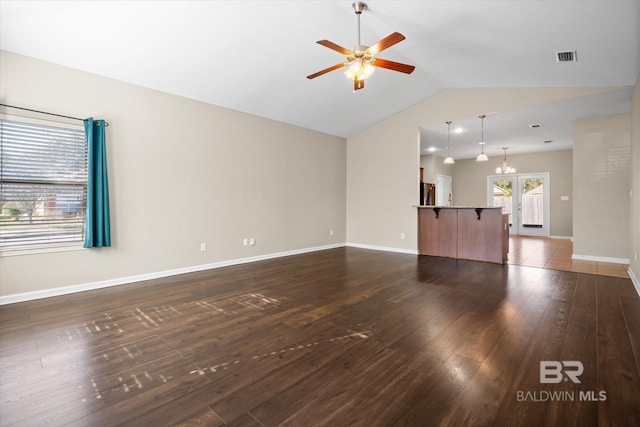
479, 233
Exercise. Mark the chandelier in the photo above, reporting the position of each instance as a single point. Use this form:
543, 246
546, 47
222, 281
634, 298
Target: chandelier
505, 167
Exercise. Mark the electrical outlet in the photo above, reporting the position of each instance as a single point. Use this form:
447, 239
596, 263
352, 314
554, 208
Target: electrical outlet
245, 241
331, 232
252, 241
203, 247
403, 236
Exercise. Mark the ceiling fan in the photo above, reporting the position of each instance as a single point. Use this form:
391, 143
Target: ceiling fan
361, 60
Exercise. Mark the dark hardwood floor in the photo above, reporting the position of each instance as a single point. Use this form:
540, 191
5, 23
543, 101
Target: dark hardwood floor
339, 337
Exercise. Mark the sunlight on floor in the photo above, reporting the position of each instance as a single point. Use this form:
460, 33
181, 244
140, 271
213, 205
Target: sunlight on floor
555, 254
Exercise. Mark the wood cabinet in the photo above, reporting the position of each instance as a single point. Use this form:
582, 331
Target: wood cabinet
475, 233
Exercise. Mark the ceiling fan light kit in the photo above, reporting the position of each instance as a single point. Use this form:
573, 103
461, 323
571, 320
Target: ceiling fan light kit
360, 69
361, 61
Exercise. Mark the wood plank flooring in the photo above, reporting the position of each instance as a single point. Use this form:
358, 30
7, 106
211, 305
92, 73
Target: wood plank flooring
339, 337
556, 254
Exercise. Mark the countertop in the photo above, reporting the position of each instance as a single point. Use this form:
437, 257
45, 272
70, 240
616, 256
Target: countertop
455, 207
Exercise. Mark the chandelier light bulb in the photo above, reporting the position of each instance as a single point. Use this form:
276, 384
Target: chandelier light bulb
360, 69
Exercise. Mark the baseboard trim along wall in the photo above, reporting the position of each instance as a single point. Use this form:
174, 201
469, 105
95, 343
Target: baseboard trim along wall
384, 248
601, 259
634, 280
29, 296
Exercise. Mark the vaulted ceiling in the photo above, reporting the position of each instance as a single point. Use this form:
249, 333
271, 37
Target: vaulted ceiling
253, 56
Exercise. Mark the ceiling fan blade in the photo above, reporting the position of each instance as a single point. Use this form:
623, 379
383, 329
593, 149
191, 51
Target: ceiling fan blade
386, 42
395, 66
337, 48
358, 84
326, 70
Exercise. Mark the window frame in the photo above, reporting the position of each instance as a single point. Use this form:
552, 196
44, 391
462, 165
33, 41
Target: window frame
52, 246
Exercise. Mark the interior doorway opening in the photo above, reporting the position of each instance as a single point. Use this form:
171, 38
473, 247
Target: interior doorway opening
444, 190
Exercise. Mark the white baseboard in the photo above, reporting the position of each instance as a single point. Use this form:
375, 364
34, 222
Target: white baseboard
601, 259
384, 248
562, 237
634, 280
29, 296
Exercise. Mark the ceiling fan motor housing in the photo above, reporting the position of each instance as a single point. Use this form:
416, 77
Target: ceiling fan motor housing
360, 51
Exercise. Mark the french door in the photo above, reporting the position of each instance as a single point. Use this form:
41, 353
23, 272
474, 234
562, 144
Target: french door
525, 197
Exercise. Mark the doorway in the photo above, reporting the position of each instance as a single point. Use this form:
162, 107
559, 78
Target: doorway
444, 195
525, 197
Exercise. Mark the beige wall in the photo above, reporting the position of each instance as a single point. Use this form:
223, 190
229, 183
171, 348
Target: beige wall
383, 161
470, 183
601, 185
382, 185
181, 173
634, 249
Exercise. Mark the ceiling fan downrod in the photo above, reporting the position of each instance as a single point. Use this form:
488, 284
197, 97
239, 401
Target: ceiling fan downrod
358, 7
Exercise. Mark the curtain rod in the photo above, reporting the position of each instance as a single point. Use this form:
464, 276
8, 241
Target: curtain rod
44, 112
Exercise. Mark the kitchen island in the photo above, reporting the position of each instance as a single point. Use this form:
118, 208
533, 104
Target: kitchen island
479, 233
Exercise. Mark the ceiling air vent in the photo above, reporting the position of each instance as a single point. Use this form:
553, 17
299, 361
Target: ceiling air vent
567, 56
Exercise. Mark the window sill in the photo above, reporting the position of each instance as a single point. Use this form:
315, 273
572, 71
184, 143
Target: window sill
39, 250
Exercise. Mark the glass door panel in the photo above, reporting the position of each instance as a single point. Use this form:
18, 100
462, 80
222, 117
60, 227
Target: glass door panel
533, 205
532, 202
525, 198
502, 195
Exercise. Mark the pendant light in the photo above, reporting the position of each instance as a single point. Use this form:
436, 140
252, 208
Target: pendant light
449, 160
505, 167
482, 157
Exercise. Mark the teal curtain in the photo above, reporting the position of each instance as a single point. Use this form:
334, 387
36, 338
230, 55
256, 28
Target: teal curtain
97, 224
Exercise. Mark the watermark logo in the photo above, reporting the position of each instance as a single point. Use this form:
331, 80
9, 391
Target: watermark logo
557, 372
554, 372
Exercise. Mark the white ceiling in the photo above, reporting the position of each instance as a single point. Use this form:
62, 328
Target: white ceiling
253, 56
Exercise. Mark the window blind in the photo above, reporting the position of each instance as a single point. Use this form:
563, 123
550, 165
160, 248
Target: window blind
43, 185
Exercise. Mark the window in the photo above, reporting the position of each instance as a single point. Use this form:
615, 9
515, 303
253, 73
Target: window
43, 185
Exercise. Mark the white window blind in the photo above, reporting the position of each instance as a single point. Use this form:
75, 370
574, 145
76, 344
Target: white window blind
43, 185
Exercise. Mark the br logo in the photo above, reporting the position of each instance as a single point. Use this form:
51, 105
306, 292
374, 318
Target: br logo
553, 372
